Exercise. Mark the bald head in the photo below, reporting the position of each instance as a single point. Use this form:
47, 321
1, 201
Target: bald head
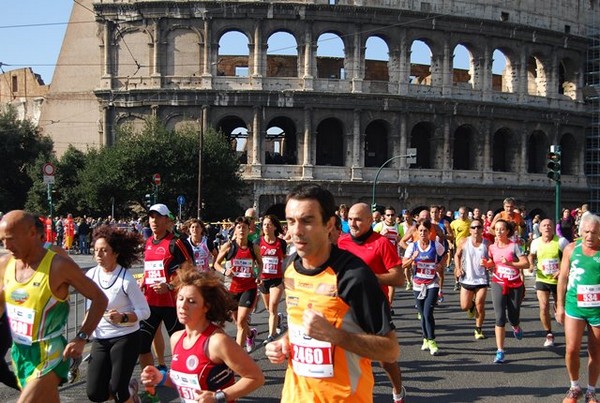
359, 219
19, 233
19, 218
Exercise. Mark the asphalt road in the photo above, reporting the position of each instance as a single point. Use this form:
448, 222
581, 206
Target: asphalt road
463, 372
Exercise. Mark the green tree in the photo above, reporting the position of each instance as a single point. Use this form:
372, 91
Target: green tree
22, 150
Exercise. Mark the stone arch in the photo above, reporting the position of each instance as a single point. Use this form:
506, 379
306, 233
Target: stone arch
536, 76
236, 131
277, 209
568, 154
282, 55
133, 53
131, 121
464, 151
421, 136
331, 56
376, 143
505, 150
234, 54
280, 141
537, 148
330, 142
179, 122
567, 78
420, 62
183, 48
377, 59
462, 66
504, 75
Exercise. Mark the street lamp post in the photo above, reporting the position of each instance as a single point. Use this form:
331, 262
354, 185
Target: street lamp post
412, 154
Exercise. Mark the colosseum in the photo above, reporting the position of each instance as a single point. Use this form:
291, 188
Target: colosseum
298, 114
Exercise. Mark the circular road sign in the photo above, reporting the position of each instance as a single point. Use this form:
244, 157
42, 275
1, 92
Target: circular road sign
156, 179
48, 169
181, 200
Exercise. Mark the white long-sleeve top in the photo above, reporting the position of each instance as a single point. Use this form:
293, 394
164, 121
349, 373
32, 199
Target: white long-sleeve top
124, 295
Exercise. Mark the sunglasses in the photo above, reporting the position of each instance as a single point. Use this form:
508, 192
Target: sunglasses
476, 227
390, 215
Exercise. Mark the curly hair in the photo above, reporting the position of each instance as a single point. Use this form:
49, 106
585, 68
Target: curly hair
219, 301
127, 245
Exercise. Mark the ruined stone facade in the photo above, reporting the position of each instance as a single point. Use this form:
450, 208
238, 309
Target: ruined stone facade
480, 137
24, 91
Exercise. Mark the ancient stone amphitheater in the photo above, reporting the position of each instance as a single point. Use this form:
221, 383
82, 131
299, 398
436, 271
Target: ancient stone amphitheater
298, 114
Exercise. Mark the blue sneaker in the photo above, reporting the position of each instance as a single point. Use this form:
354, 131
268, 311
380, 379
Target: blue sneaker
518, 332
499, 359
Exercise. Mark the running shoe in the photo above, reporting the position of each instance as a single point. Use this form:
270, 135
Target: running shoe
268, 340
518, 332
418, 315
433, 347
479, 335
250, 340
440, 297
499, 359
148, 397
471, 312
590, 397
133, 390
549, 342
573, 394
408, 285
457, 286
399, 398
73, 374
279, 328
425, 345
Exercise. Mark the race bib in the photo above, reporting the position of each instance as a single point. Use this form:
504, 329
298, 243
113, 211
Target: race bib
550, 266
425, 270
154, 271
588, 296
507, 272
242, 268
21, 323
270, 264
187, 385
311, 358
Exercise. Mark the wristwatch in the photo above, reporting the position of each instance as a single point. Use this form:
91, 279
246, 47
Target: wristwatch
125, 318
82, 335
170, 286
220, 396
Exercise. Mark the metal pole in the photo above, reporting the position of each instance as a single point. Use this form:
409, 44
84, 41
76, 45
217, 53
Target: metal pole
557, 214
50, 199
379, 171
200, 141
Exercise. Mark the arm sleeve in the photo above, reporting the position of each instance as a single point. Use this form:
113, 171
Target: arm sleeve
138, 301
358, 287
182, 252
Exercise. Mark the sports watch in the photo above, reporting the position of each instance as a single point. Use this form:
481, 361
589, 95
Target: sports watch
220, 396
81, 335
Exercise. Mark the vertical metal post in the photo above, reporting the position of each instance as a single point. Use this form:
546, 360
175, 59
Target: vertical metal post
50, 199
200, 146
557, 214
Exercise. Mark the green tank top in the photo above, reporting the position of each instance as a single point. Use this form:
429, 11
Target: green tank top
582, 299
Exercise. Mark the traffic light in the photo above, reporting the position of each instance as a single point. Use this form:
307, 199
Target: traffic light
373, 207
553, 165
148, 200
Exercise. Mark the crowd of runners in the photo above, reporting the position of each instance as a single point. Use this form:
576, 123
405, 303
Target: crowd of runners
329, 271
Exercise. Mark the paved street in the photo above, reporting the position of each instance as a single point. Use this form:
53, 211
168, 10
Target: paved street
463, 372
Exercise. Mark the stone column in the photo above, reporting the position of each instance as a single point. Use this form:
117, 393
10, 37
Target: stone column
522, 163
404, 65
307, 149
155, 68
107, 138
394, 70
487, 75
447, 157
486, 164
107, 49
447, 69
308, 58
523, 85
401, 149
206, 53
357, 63
259, 54
256, 152
357, 150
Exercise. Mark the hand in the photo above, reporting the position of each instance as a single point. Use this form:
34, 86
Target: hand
74, 349
113, 316
317, 327
151, 376
160, 288
560, 315
278, 351
204, 396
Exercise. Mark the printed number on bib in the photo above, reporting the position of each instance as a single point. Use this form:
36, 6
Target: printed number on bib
550, 266
242, 268
508, 272
588, 296
21, 323
155, 272
311, 358
270, 264
425, 270
187, 385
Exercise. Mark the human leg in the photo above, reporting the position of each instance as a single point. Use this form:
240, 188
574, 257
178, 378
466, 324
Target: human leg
544, 301
392, 369
148, 329
123, 362
499, 304
574, 329
158, 346
42, 389
98, 376
273, 304
480, 297
593, 354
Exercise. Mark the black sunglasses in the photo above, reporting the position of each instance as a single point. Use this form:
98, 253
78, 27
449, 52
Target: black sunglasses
476, 227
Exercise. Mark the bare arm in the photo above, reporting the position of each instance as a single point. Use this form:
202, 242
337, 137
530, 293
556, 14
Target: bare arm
221, 257
408, 236
563, 278
458, 270
394, 277
371, 346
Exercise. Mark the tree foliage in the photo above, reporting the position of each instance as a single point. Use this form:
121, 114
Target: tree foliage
22, 150
88, 183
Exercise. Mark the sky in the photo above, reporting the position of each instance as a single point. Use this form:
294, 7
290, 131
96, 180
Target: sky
32, 31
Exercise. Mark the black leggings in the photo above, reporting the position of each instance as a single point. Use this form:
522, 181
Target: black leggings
6, 376
148, 327
509, 303
111, 366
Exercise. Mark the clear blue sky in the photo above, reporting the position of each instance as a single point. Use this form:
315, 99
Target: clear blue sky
31, 34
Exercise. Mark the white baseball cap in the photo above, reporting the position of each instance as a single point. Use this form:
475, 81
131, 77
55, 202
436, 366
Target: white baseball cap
160, 209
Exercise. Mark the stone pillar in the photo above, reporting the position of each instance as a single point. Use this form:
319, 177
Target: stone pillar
308, 58
486, 164
437, 68
447, 70
522, 144
259, 55
523, 85
256, 151
155, 68
357, 150
307, 149
206, 50
404, 65
401, 149
447, 157
107, 49
357, 63
107, 138
394, 70
487, 75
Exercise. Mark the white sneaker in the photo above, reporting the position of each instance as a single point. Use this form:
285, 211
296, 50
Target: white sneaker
133, 390
549, 342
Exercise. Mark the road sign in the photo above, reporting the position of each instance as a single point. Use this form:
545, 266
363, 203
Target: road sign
411, 156
48, 169
181, 200
156, 179
49, 179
